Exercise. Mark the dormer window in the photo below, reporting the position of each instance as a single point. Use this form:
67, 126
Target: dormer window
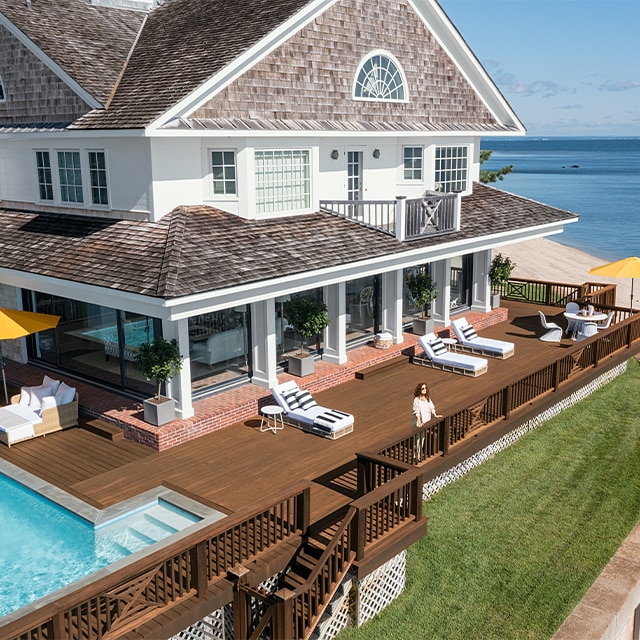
380, 78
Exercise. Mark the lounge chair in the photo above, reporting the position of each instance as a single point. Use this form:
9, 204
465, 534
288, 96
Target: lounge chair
553, 330
437, 356
472, 342
302, 411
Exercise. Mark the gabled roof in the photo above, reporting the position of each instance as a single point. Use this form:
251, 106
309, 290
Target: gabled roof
210, 61
199, 249
90, 43
183, 44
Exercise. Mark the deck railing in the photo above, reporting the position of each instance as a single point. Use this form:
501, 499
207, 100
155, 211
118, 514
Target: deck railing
405, 219
109, 605
436, 438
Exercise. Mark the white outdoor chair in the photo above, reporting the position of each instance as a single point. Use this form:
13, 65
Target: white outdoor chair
587, 330
553, 330
572, 325
607, 323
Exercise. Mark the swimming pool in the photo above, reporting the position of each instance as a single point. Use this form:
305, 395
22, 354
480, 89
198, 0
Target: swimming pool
49, 544
135, 333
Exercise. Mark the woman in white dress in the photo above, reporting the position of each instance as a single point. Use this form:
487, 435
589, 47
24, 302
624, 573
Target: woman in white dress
423, 411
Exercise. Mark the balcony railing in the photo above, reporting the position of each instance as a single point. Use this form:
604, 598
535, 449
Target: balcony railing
405, 219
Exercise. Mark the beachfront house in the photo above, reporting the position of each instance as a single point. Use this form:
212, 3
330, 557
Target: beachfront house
185, 167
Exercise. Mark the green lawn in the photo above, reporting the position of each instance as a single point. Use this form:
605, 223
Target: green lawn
514, 545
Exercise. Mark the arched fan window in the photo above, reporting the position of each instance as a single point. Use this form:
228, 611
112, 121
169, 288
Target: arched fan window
380, 78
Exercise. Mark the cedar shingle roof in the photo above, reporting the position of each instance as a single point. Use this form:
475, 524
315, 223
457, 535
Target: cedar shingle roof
90, 43
198, 249
183, 44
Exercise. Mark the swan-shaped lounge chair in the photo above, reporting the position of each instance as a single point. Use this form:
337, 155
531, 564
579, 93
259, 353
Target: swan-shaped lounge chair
437, 356
302, 411
553, 330
471, 341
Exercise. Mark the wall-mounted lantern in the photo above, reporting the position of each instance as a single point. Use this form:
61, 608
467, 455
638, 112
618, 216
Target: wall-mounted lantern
376, 153
335, 154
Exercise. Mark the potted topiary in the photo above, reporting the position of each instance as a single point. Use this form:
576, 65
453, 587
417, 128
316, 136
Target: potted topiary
499, 274
422, 292
308, 317
161, 360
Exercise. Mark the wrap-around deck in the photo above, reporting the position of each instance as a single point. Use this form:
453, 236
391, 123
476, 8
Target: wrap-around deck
242, 470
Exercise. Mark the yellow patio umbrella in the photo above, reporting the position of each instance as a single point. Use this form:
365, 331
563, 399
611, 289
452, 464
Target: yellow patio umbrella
17, 324
627, 268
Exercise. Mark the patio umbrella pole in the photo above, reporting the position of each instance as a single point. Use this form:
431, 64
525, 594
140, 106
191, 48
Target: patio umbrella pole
4, 379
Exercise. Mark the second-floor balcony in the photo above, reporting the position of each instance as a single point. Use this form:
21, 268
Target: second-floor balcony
403, 218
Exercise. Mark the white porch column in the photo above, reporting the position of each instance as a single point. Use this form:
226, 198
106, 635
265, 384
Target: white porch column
335, 335
263, 335
179, 388
440, 308
481, 288
392, 282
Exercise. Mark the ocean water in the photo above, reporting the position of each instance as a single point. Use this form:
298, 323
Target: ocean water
597, 178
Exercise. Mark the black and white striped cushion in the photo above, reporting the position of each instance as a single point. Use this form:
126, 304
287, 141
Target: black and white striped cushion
291, 399
438, 347
469, 332
305, 400
327, 421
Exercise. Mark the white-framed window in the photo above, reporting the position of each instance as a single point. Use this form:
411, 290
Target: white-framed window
98, 178
223, 170
70, 176
283, 180
380, 77
45, 175
3, 95
451, 168
412, 159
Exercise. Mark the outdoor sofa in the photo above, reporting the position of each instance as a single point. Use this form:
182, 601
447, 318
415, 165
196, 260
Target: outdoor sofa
37, 411
437, 356
470, 341
302, 411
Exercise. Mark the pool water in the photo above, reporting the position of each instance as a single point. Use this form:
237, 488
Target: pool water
135, 333
46, 547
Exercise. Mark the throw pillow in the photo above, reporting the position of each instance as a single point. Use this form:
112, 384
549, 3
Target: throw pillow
36, 394
24, 396
65, 394
291, 400
306, 400
51, 382
469, 332
438, 347
49, 402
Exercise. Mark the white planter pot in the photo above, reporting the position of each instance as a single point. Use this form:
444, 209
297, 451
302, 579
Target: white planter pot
301, 366
159, 412
495, 300
422, 326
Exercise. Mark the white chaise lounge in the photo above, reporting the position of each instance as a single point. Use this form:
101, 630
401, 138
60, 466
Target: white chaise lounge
472, 342
437, 356
302, 411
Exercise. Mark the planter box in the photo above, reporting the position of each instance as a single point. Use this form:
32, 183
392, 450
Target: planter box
495, 300
422, 326
301, 366
159, 412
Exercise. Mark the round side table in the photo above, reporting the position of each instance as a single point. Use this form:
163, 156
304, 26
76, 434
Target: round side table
270, 416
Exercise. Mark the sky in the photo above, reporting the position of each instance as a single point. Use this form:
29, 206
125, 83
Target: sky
566, 67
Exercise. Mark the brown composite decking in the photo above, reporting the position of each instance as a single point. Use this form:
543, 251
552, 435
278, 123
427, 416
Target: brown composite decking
238, 466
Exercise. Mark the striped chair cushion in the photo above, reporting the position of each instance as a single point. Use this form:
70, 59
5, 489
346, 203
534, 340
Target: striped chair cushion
305, 400
438, 347
469, 332
291, 399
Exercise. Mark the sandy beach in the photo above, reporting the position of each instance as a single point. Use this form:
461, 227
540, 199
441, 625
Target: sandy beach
544, 259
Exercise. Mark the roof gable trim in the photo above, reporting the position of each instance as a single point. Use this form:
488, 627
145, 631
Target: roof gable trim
243, 63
